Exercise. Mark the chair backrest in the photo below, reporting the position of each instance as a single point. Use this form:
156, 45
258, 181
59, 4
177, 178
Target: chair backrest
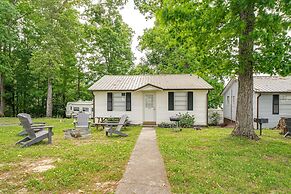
82, 119
121, 122
26, 125
27, 116
288, 124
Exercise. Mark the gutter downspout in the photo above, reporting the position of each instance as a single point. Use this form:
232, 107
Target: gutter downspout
207, 108
258, 97
93, 106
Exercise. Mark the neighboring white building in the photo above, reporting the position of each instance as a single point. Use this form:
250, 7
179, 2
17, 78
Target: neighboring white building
151, 99
271, 99
73, 108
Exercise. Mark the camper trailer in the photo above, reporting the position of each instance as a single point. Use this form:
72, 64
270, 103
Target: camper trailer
73, 108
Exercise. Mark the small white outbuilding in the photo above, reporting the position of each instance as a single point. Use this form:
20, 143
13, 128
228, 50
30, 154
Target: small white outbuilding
271, 99
151, 99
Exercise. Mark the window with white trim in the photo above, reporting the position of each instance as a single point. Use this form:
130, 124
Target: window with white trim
85, 109
119, 101
180, 101
76, 109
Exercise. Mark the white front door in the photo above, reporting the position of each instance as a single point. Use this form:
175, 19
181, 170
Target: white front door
149, 104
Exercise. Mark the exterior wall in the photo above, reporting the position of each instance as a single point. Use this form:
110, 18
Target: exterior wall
229, 108
266, 108
199, 107
136, 114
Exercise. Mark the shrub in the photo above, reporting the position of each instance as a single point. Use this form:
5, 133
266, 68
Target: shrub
166, 125
215, 118
186, 120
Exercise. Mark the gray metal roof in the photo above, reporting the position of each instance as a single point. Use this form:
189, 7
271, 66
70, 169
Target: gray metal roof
272, 84
135, 82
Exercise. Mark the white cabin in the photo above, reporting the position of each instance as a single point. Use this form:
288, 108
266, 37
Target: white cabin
73, 108
271, 99
151, 98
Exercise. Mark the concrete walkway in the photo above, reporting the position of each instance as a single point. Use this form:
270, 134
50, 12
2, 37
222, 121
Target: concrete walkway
145, 172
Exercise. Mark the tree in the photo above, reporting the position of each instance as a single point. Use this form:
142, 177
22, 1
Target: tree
8, 38
108, 38
237, 37
56, 28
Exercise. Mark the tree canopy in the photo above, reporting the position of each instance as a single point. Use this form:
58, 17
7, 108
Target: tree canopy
51, 51
221, 38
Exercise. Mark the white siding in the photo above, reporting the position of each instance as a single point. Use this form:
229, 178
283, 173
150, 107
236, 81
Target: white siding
266, 109
135, 115
199, 107
229, 106
162, 113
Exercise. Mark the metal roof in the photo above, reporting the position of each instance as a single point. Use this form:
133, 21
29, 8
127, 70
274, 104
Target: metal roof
135, 82
272, 84
275, 84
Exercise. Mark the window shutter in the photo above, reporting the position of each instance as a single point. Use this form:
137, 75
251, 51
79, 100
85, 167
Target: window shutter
190, 100
171, 101
109, 101
128, 101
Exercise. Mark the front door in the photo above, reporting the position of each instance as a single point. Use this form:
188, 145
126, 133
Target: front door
149, 107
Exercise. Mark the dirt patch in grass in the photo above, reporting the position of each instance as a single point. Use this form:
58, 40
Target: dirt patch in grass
38, 166
106, 187
28, 167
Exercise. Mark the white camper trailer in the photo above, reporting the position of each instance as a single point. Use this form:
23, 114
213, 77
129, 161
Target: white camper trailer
73, 108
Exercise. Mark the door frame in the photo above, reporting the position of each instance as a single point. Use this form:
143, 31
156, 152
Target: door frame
155, 106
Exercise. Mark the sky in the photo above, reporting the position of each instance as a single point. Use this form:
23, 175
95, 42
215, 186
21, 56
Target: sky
137, 23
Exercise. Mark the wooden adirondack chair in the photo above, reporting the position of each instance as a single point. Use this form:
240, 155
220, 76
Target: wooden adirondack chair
33, 137
82, 121
116, 127
288, 125
38, 126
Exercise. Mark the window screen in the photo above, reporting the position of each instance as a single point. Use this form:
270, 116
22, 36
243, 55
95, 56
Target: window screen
180, 101
275, 104
119, 102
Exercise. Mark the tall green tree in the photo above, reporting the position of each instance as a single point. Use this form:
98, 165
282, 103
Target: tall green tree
8, 39
108, 49
238, 37
56, 26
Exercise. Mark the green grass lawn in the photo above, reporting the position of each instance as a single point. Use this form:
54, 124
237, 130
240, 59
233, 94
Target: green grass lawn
92, 165
211, 161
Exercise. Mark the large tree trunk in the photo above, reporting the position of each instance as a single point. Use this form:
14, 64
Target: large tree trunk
49, 100
2, 103
244, 115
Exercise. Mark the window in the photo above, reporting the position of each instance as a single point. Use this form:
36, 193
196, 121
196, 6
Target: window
71, 108
180, 101
85, 109
119, 102
227, 99
275, 104
76, 109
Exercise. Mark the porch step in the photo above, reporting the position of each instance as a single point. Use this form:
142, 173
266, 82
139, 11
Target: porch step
149, 125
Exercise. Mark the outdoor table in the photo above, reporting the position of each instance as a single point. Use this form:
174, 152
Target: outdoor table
101, 121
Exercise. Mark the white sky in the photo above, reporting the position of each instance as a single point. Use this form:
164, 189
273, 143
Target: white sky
138, 23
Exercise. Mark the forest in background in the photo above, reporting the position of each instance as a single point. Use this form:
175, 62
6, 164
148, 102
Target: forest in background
52, 51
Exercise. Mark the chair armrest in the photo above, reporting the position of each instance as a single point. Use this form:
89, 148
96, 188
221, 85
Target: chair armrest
44, 127
37, 125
